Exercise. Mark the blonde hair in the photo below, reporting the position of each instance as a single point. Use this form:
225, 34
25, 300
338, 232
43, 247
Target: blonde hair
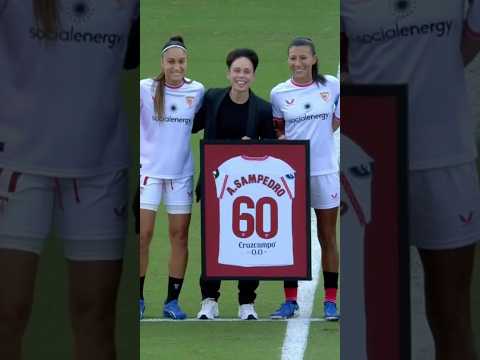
159, 99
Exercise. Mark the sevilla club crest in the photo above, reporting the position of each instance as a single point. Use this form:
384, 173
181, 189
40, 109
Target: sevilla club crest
325, 95
189, 100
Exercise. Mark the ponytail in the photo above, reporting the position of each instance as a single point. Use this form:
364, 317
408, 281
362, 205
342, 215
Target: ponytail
46, 14
159, 98
316, 76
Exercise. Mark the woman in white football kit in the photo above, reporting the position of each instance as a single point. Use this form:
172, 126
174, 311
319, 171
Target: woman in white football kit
168, 105
63, 161
409, 43
307, 107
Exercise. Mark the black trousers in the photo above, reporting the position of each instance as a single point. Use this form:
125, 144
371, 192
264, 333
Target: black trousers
136, 211
246, 289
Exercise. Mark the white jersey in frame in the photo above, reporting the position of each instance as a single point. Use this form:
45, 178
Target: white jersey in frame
255, 197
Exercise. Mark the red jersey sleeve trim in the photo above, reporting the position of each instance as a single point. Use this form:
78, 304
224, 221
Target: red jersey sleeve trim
470, 32
12, 186
223, 186
286, 187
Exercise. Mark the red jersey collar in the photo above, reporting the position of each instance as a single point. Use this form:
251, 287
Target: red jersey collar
301, 85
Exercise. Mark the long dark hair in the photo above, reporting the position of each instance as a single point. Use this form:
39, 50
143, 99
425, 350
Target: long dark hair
159, 83
305, 41
46, 14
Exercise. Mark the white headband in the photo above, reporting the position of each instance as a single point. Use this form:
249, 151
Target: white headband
174, 46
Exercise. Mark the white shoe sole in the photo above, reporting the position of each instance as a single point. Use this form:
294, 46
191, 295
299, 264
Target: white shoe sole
206, 317
278, 317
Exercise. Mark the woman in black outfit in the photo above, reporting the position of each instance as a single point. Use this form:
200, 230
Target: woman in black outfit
234, 113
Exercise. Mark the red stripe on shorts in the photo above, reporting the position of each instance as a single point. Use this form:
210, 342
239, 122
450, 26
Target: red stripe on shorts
75, 188
12, 186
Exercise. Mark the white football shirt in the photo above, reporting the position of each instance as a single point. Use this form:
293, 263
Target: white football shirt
308, 113
255, 197
165, 149
416, 43
60, 112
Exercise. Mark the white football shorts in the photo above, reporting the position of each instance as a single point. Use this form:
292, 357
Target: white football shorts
444, 207
325, 191
175, 194
89, 214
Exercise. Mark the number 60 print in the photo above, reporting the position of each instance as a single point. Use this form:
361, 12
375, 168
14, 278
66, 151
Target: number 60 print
254, 223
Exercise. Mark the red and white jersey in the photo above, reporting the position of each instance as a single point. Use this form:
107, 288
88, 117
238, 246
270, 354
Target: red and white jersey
418, 43
308, 112
60, 112
165, 149
255, 203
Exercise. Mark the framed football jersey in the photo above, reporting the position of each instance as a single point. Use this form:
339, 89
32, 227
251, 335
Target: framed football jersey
374, 244
255, 210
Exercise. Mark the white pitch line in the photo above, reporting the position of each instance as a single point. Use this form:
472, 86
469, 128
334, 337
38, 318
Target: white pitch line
296, 336
159, 320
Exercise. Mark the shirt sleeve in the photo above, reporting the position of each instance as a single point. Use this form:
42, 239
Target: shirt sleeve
277, 112
136, 11
337, 109
199, 120
288, 178
142, 98
132, 54
266, 125
343, 47
473, 19
200, 101
335, 89
221, 177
